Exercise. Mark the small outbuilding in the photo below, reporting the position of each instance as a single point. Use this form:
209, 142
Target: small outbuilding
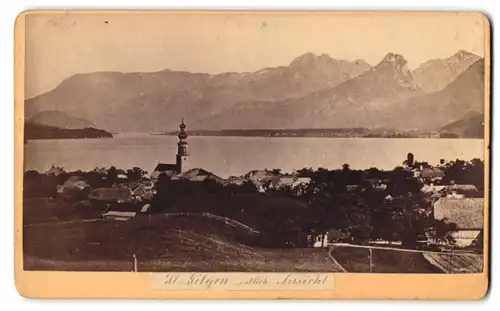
164, 169
432, 174
55, 171
119, 216
321, 240
197, 174
114, 194
466, 213
74, 187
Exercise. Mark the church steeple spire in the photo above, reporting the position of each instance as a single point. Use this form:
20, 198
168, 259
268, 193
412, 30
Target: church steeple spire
182, 153
182, 133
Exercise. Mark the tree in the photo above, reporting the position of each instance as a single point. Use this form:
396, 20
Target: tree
409, 217
440, 231
474, 174
360, 223
211, 186
247, 187
276, 171
136, 174
112, 175
95, 179
403, 183
462, 172
31, 174
39, 186
336, 235
372, 172
305, 172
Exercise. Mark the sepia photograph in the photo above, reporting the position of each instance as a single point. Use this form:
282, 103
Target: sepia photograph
301, 142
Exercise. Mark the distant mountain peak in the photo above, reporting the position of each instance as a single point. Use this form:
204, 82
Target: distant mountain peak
325, 56
306, 56
394, 67
397, 59
324, 61
465, 55
362, 62
161, 98
392, 57
435, 74
310, 59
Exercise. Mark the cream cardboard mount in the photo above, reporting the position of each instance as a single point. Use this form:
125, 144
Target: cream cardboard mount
252, 154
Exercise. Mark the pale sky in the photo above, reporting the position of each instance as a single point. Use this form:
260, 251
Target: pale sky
59, 46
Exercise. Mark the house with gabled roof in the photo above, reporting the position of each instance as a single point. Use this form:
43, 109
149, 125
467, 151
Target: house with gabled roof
169, 170
118, 216
197, 174
234, 180
125, 212
141, 192
55, 171
431, 174
114, 194
433, 189
466, 213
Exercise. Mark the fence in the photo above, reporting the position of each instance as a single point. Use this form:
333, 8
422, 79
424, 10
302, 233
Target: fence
226, 220
451, 261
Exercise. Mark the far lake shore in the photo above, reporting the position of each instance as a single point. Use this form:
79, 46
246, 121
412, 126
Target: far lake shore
314, 136
233, 156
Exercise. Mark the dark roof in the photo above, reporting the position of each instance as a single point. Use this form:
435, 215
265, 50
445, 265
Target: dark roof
259, 174
165, 167
197, 174
234, 180
74, 182
125, 207
462, 187
130, 184
55, 171
120, 214
140, 191
75, 178
431, 172
111, 194
467, 213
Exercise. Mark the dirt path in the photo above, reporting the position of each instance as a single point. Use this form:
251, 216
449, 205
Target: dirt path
62, 222
335, 262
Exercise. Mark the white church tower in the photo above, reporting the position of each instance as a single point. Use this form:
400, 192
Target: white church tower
182, 161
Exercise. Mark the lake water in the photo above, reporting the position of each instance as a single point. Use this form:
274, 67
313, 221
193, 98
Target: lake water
226, 156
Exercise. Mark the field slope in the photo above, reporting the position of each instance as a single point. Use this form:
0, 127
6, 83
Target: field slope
160, 244
384, 261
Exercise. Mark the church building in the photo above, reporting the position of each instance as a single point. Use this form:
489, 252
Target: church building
182, 161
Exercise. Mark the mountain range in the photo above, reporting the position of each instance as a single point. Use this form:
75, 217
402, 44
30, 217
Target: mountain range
435, 74
59, 119
312, 91
470, 126
433, 110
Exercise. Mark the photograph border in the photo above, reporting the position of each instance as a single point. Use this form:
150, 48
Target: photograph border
55, 284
